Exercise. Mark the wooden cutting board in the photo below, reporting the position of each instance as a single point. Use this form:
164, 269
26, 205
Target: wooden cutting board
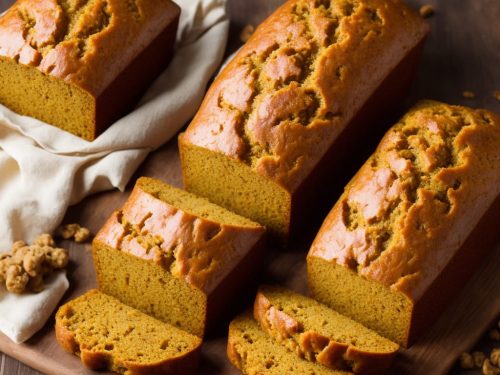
461, 54
458, 329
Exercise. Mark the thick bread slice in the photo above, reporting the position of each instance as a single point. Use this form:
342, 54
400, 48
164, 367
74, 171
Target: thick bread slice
319, 334
254, 352
107, 334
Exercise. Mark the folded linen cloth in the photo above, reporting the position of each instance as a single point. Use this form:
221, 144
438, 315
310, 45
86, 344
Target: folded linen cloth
43, 170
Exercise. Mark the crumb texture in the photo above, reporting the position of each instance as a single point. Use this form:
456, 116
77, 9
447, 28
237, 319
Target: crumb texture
414, 202
319, 334
299, 80
254, 352
107, 334
169, 243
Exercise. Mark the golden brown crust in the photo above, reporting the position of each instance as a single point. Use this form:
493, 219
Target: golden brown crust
299, 80
315, 346
79, 40
201, 251
414, 202
64, 336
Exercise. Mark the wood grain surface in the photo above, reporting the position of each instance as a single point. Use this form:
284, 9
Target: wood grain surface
462, 53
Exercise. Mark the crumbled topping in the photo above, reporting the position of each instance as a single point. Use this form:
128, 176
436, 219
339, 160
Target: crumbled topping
246, 33
465, 361
468, 94
489, 369
426, 10
25, 267
76, 231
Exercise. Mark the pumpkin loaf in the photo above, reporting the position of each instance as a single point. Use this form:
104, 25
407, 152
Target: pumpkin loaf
80, 65
319, 334
271, 120
413, 222
107, 334
254, 352
175, 256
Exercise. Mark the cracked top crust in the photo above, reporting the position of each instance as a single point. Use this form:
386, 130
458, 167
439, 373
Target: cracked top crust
299, 80
85, 42
191, 247
417, 198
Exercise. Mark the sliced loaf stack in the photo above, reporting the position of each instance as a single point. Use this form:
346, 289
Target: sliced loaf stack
175, 256
165, 264
294, 334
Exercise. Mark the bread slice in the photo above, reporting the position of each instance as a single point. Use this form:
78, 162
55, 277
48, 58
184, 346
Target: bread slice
176, 256
107, 334
254, 352
319, 334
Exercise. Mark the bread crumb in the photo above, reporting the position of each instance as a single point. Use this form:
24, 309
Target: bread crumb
426, 10
465, 361
44, 240
82, 235
489, 369
495, 357
76, 231
496, 94
478, 359
494, 334
468, 95
25, 267
16, 279
246, 33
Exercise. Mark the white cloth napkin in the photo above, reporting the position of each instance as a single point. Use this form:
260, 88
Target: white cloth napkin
43, 170
23, 315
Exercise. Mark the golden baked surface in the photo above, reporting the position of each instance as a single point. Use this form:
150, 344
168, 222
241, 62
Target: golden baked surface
82, 41
299, 80
200, 245
107, 334
319, 334
414, 202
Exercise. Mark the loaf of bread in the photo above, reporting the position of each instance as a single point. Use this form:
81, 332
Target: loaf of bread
107, 334
319, 334
175, 256
254, 352
401, 240
272, 118
81, 65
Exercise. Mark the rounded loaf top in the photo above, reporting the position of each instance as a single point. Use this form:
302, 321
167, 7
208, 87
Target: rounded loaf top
192, 240
412, 205
299, 80
85, 42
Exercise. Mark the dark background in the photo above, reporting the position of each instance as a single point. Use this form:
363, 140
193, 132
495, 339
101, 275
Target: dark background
461, 54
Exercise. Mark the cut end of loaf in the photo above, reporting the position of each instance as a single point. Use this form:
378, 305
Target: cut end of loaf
379, 308
30, 92
107, 334
150, 289
237, 187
